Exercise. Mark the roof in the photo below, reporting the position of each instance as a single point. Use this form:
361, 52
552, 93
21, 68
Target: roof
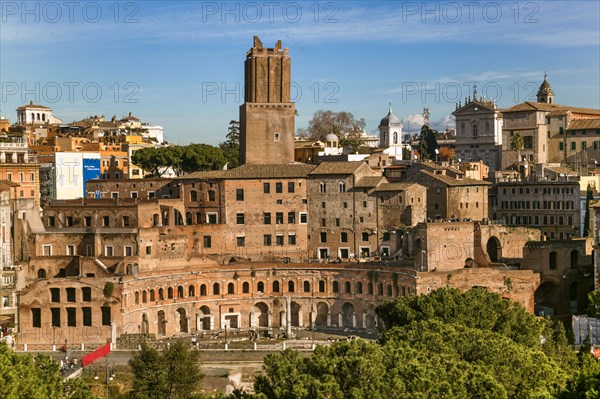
390, 119
394, 186
32, 105
560, 169
337, 168
534, 106
489, 105
555, 109
579, 124
257, 171
455, 182
370, 181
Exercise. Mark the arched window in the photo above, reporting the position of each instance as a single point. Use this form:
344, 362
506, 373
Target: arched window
260, 287
342, 187
216, 289
211, 195
192, 291
370, 288
41, 273
347, 287
161, 294
43, 117
395, 137
322, 187
474, 130
322, 286
380, 289
389, 290
275, 286
358, 288
152, 296
230, 288
203, 290
306, 286
552, 260
574, 259
245, 287
137, 298
144, 296
335, 286
170, 293
32, 116
290, 286
180, 292
487, 127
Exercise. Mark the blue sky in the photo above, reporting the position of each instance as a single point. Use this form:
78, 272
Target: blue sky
180, 64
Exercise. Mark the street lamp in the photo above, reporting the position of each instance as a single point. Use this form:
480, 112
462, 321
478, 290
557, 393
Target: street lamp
437, 152
110, 375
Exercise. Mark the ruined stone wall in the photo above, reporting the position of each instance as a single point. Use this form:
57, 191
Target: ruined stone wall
516, 285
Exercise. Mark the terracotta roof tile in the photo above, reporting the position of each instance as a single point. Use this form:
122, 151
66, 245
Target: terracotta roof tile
394, 186
370, 181
579, 124
257, 171
455, 182
337, 168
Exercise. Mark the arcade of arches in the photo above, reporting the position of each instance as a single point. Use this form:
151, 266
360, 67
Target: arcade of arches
309, 298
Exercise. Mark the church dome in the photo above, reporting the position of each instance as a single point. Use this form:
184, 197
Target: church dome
545, 87
390, 119
331, 137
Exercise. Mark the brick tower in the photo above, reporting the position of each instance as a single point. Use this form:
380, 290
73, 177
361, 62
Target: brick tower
267, 115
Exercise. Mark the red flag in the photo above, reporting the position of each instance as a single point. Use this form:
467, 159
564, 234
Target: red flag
95, 355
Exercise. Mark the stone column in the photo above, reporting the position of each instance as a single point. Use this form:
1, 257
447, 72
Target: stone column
354, 320
328, 319
113, 335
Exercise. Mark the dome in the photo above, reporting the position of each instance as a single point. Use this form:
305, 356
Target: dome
331, 137
390, 119
545, 87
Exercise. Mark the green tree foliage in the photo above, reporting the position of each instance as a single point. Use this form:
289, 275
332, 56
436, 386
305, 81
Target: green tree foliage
173, 373
474, 308
518, 143
231, 146
36, 378
183, 159
324, 122
360, 369
444, 345
527, 372
482, 310
428, 142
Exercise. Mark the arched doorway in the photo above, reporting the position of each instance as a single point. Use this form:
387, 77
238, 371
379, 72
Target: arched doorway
161, 323
182, 316
295, 314
205, 318
348, 315
545, 298
261, 311
494, 249
573, 296
370, 321
322, 312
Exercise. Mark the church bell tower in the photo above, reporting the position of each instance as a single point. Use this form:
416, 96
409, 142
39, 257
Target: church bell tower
267, 115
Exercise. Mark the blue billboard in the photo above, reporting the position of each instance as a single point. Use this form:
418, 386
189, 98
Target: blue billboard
91, 169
